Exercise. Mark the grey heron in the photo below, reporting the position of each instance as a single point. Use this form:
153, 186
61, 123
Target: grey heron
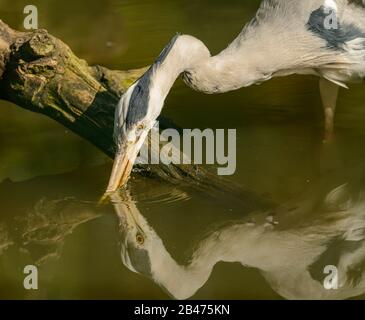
325, 38
290, 253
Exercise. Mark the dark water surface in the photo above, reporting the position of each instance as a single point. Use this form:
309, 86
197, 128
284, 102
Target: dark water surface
157, 240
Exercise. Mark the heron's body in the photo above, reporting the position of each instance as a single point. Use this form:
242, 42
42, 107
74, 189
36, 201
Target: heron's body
319, 37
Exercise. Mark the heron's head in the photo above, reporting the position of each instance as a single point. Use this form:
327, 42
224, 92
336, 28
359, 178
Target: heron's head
141, 248
137, 242
136, 114
133, 120
143, 251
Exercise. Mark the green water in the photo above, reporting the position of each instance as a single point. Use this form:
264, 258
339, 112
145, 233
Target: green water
193, 246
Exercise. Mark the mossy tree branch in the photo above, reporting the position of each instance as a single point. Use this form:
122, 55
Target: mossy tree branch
41, 74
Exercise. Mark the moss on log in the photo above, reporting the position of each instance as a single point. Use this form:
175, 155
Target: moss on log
43, 75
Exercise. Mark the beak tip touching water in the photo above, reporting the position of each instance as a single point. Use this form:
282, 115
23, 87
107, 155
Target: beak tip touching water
104, 199
122, 168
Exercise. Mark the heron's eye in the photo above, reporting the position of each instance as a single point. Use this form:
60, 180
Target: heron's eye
139, 239
139, 130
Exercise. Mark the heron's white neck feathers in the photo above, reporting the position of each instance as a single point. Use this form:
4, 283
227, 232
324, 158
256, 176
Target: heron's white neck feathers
190, 57
182, 282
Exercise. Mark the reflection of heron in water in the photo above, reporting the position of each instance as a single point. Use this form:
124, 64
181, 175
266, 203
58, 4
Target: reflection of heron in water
285, 37
292, 259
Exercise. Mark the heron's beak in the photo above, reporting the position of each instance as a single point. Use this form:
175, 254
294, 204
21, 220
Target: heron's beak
126, 209
122, 167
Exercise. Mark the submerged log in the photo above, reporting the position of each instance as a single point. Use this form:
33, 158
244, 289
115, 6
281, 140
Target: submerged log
40, 73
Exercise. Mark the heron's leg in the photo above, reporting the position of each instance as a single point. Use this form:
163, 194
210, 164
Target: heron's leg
329, 94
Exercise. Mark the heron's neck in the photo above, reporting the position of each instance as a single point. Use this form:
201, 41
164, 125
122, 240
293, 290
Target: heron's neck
224, 72
182, 282
249, 246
